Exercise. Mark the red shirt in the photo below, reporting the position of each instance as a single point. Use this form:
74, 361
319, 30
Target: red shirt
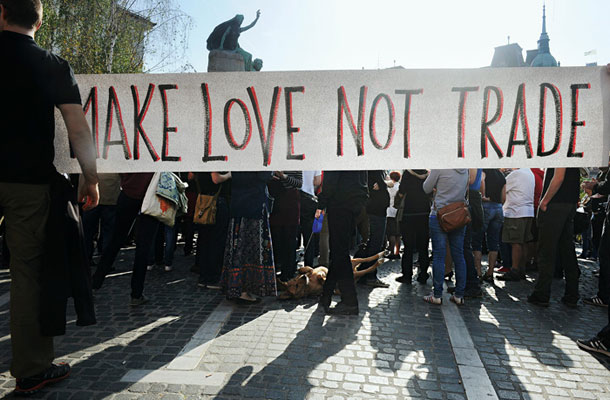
134, 185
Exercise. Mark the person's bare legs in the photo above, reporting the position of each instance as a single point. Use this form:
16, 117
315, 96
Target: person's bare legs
518, 259
478, 256
392, 246
491, 258
396, 245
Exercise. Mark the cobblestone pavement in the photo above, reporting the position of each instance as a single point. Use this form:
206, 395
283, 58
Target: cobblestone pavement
190, 343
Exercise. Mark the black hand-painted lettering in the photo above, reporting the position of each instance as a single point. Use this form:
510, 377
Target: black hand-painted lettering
207, 106
138, 117
166, 128
407, 116
91, 104
486, 135
520, 117
266, 138
575, 122
542, 120
461, 126
229, 131
113, 104
290, 128
373, 117
357, 133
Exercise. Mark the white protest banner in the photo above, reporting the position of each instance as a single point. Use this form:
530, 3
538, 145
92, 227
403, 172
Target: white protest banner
346, 120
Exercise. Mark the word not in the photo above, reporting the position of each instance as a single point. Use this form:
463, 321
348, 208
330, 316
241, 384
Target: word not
519, 119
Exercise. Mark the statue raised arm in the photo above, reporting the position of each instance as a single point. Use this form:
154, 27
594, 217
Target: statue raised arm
225, 38
258, 14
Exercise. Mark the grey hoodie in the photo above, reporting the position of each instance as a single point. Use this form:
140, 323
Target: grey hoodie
450, 184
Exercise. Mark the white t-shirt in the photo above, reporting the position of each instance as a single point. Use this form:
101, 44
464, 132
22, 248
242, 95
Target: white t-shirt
308, 177
392, 212
520, 185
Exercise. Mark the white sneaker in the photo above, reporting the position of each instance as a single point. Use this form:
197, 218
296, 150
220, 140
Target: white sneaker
168, 268
149, 267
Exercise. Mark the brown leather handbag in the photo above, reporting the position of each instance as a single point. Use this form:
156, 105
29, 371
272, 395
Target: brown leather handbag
453, 216
205, 210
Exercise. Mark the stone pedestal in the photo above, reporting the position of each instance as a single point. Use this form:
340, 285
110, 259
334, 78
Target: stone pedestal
223, 61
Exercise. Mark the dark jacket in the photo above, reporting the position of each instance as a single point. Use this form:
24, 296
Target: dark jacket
205, 185
65, 271
343, 189
286, 199
249, 194
603, 188
416, 201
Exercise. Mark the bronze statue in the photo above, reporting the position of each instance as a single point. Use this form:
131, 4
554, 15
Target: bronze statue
257, 64
225, 37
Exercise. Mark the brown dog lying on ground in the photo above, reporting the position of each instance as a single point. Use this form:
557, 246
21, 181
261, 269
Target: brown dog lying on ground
310, 281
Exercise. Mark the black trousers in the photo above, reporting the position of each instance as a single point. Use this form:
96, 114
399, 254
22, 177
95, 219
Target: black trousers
4, 259
604, 264
308, 213
284, 239
415, 235
127, 211
188, 233
555, 238
341, 223
211, 245
597, 226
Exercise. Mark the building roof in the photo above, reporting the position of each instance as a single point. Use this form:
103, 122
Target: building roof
509, 55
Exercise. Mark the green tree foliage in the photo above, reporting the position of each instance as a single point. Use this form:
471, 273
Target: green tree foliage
116, 36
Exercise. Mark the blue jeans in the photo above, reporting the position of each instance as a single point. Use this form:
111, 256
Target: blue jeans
492, 226
456, 247
472, 280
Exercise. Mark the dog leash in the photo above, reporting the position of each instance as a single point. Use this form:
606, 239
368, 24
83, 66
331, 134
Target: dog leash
316, 227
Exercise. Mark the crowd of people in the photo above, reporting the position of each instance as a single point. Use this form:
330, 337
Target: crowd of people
525, 218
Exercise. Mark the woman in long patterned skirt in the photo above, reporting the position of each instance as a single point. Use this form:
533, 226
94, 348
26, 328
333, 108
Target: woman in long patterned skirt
248, 269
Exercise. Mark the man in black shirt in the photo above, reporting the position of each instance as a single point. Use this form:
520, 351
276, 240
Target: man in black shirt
343, 195
555, 220
600, 343
34, 82
602, 298
376, 210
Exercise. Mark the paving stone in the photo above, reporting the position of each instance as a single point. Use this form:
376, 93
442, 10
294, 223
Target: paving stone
172, 396
125, 396
287, 350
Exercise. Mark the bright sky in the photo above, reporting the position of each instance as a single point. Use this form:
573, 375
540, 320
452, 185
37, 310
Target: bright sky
355, 34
